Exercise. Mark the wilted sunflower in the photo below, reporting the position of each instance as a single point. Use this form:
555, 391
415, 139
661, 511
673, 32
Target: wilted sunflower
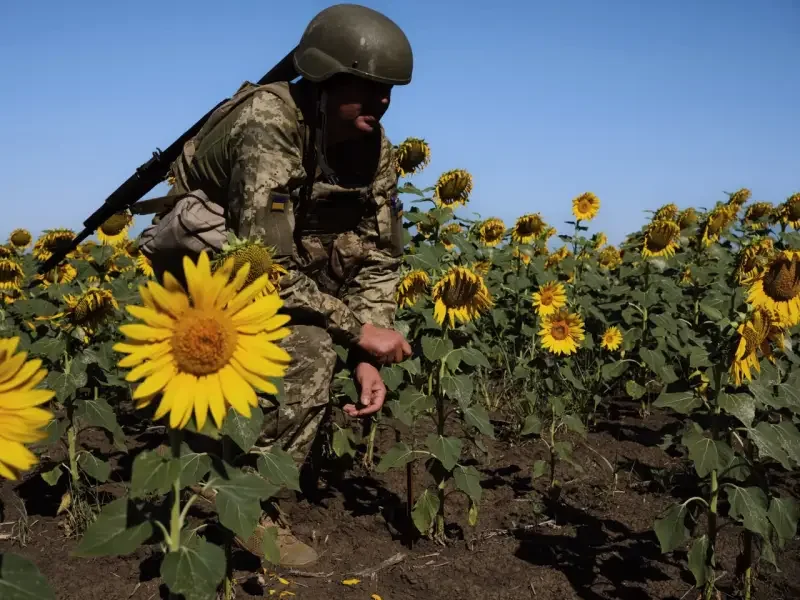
777, 288
585, 206
556, 257
11, 274
492, 231
50, 241
20, 239
528, 228
461, 295
205, 349
411, 287
789, 211
599, 240
63, 273
22, 421
752, 259
115, 229
258, 256
482, 267
687, 218
668, 212
449, 230
453, 188
716, 221
562, 332
427, 226
84, 251
757, 215
521, 255
660, 239
753, 335
738, 198
609, 258
549, 298
90, 309
612, 339
412, 156
6, 252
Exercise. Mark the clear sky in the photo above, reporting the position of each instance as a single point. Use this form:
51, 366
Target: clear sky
641, 102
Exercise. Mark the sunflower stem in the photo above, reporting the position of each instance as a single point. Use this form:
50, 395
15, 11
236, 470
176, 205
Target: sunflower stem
176, 515
72, 441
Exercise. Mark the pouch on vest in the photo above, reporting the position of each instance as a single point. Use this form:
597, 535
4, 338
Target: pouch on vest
390, 225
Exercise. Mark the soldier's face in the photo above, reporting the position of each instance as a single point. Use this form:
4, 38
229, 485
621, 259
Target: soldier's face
357, 104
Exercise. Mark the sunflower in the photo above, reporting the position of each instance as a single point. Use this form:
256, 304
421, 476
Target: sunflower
562, 332
449, 230
114, 230
585, 206
411, 287
453, 188
752, 259
205, 349
528, 228
9, 296
612, 339
63, 273
699, 382
412, 156
686, 276
144, 265
90, 309
20, 239
660, 239
757, 215
716, 221
22, 419
550, 298
522, 255
668, 212
11, 274
599, 240
789, 212
6, 252
556, 257
492, 231
460, 294
738, 198
609, 258
548, 233
687, 218
777, 288
258, 256
753, 334
50, 241
427, 226
84, 251
482, 267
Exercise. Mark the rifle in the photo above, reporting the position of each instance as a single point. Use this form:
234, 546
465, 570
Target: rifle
153, 172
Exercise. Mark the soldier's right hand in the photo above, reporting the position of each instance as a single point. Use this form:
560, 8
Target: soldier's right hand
387, 345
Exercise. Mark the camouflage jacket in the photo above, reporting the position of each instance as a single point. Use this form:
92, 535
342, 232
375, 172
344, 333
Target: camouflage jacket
249, 160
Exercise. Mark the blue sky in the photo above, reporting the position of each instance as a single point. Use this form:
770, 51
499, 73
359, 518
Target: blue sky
642, 103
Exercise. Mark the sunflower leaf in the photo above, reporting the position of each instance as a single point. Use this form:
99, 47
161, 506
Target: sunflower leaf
397, 456
446, 449
424, 511
194, 570
20, 579
118, 530
96, 412
152, 473
435, 348
243, 431
98, 469
279, 468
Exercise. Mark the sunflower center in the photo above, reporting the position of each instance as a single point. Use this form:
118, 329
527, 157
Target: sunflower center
794, 210
658, 240
782, 281
20, 238
9, 272
559, 331
452, 189
115, 224
584, 206
203, 341
547, 298
460, 292
260, 262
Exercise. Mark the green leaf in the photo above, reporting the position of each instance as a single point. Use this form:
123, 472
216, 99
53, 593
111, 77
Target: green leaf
681, 402
194, 467
784, 513
707, 454
671, 529
665, 322
446, 449
194, 570
52, 476
634, 390
427, 258
573, 423
393, 377
741, 406
699, 358
768, 442
653, 359
272, 551
52, 348
20, 579
424, 511
711, 312
435, 349
397, 456
238, 499
749, 505
468, 480
243, 431
152, 473
539, 469
532, 425
96, 412
477, 417
458, 387
697, 561
413, 401
119, 530
278, 467
35, 307
566, 373
474, 358
613, 370
98, 469
342, 442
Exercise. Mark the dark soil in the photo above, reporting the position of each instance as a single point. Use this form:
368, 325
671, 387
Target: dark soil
595, 543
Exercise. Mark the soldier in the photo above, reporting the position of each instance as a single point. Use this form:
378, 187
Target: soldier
307, 168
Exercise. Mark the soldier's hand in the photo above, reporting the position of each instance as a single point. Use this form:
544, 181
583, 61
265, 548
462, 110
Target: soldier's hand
387, 345
373, 391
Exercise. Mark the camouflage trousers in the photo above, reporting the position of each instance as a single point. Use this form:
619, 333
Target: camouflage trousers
294, 425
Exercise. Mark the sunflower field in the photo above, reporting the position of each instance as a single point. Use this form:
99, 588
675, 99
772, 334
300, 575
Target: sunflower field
525, 334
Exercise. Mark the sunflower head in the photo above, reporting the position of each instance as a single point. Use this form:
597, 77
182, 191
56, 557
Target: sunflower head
446, 232
556, 257
90, 309
738, 198
687, 218
258, 256
7, 253
522, 255
752, 259
753, 334
549, 298
411, 156
427, 226
599, 240
491, 232
11, 274
482, 267
612, 339
411, 287
145, 266
114, 231
585, 206
757, 215
460, 294
716, 222
20, 239
660, 239
668, 212
789, 211
50, 241
453, 188
609, 258
528, 228
63, 273
562, 332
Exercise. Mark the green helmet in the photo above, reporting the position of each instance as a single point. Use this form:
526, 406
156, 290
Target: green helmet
354, 39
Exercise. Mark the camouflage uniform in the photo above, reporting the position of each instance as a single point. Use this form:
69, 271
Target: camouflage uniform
342, 271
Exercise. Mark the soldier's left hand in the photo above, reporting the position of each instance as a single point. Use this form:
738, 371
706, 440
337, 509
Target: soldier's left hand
373, 391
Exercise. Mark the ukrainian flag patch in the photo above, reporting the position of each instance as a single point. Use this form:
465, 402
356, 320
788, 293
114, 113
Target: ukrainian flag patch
278, 202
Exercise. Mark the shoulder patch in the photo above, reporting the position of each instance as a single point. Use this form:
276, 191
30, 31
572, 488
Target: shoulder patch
396, 205
278, 202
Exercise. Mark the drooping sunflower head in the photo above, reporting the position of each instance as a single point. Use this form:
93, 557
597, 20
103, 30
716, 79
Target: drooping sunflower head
757, 215
114, 230
90, 309
777, 289
738, 198
411, 287
586, 206
562, 332
258, 256
660, 239
20, 239
716, 222
446, 233
50, 241
84, 250
523, 256
556, 257
145, 266
599, 240
63, 273
427, 226
668, 212
752, 335
411, 156
460, 294
7, 253
453, 188
549, 298
612, 339
491, 232
752, 260
609, 258
687, 218
11, 274
789, 211
482, 267
528, 228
